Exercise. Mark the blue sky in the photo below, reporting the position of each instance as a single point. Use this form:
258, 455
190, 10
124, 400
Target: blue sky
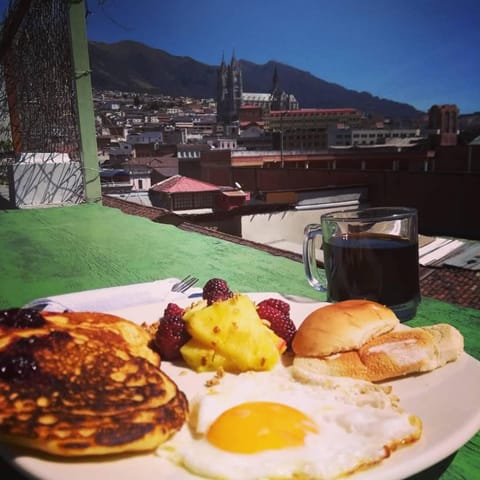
421, 52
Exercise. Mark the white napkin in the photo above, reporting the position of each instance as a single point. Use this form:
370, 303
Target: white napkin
113, 298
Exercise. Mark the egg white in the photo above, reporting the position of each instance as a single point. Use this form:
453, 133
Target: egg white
355, 422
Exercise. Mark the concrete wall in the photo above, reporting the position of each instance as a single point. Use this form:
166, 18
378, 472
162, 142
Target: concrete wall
45, 183
447, 202
282, 229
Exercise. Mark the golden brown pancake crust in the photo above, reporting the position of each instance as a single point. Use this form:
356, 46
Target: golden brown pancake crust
82, 383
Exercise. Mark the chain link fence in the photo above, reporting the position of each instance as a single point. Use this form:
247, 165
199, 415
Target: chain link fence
39, 130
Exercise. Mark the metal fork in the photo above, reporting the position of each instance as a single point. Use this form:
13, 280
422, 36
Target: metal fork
184, 284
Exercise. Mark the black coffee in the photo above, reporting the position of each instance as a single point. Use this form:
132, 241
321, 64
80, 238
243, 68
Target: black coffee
382, 268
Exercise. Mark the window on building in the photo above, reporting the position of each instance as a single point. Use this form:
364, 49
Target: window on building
203, 200
182, 201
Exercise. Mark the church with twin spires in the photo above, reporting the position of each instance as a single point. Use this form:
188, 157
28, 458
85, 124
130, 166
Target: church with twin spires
231, 97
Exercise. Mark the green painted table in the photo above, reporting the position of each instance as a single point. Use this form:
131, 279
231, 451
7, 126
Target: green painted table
50, 251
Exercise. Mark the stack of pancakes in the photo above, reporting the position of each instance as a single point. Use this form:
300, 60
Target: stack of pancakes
81, 383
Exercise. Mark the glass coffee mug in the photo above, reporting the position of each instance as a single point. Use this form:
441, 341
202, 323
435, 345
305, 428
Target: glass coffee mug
369, 254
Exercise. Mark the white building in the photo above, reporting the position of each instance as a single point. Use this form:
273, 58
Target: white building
120, 148
342, 135
145, 137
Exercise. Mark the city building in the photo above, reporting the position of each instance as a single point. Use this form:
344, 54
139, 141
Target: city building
145, 137
442, 183
307, 128
344, 136
443, 124
180, 193
231, 97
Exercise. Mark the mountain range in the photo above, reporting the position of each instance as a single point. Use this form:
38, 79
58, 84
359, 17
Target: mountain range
136, 67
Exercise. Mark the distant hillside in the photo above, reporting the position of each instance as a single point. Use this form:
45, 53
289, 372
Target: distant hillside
133, 66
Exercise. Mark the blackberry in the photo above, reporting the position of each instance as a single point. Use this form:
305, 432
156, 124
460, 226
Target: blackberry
21, 318
216, 289
18, 368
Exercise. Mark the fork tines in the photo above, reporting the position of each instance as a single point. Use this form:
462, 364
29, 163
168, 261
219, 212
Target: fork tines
184, 284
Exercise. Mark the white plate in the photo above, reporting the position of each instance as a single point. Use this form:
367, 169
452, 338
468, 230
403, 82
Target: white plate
446, 400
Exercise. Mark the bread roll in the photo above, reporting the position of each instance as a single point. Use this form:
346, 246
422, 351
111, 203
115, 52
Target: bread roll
390, 355
342, 326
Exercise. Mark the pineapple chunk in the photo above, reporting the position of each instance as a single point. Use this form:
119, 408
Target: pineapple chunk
204, 359
232, 329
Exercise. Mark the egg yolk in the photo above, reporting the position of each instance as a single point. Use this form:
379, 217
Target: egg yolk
256, 426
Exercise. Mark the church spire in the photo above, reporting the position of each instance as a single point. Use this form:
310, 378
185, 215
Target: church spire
234, 61
275, 85
229, 91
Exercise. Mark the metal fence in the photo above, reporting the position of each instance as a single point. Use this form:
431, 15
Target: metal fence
40, 146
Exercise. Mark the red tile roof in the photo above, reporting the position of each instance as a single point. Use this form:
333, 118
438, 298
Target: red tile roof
157, 161
246, 123
178, 183
451, 284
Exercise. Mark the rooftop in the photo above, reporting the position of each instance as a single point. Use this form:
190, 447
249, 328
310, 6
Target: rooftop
179, 183
312, 111
450, 284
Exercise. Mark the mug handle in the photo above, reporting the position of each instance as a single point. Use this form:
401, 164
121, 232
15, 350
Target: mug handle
309, 258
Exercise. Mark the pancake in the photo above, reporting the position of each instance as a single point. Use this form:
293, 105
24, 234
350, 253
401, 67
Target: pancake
81, 383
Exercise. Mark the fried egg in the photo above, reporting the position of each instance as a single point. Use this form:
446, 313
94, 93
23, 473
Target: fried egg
268, 425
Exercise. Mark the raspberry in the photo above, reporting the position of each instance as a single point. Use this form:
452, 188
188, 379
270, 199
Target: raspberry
171, 333
216, 290
280, 322
172, 310
276, 303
